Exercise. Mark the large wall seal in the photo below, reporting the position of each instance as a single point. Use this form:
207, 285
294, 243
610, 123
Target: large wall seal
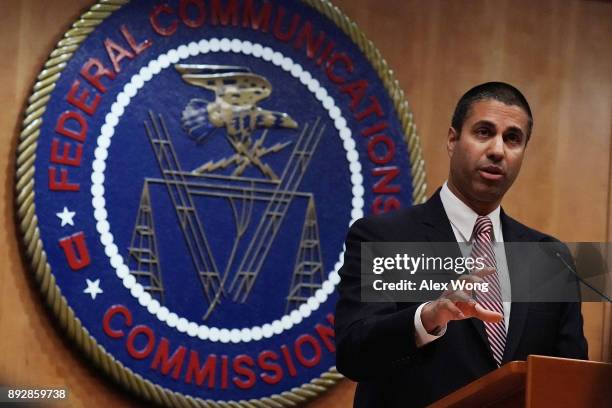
187, 171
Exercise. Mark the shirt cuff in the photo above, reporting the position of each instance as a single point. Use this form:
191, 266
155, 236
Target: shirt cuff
421, 336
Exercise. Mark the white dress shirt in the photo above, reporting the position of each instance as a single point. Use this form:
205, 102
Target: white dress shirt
462, 219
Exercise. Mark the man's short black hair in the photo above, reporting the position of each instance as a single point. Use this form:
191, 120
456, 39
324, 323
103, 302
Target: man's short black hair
500, 91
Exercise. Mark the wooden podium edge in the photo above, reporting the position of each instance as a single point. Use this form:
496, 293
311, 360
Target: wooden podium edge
475, 389
540, 381
558, 381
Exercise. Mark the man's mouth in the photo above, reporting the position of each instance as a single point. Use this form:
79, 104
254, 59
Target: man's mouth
491, 172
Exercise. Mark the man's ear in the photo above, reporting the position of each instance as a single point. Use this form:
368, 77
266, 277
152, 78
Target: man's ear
451, 140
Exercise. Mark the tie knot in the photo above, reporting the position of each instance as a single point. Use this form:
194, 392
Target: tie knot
483, 228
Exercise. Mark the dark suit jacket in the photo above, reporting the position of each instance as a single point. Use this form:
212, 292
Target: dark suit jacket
376, 341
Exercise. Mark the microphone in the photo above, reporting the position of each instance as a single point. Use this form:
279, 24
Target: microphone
555, 249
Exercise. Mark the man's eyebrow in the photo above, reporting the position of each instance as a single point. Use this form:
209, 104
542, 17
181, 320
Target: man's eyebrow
484, 123
515, 129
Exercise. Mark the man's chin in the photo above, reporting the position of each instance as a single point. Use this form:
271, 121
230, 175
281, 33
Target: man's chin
489, 193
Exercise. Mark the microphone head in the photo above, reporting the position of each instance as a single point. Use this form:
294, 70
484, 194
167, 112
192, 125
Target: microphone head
551, 246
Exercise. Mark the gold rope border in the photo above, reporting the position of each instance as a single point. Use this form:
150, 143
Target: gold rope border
28, 222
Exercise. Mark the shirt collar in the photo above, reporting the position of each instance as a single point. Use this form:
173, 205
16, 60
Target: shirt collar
463, 217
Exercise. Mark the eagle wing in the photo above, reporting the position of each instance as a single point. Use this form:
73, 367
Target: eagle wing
235, 85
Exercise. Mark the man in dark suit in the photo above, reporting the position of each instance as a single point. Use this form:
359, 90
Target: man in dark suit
412, 354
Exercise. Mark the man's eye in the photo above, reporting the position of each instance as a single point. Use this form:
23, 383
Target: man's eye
483, 132
513, 138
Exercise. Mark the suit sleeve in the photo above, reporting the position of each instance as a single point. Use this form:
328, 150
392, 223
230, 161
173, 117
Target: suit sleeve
370, 337
570, 339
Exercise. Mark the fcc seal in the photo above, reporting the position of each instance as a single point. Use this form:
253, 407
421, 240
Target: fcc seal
187, 172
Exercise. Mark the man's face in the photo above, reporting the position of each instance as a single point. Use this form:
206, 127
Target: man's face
485, 158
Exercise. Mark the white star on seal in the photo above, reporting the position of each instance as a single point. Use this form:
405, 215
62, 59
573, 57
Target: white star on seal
66, 216
93, 288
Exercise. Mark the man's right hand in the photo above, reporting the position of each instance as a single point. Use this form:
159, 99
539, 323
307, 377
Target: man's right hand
458, 305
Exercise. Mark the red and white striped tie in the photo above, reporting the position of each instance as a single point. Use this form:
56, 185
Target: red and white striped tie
492, 300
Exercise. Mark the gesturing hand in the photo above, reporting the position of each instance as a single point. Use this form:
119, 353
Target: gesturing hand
458, 305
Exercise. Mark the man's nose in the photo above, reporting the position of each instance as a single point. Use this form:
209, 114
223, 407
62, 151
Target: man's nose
495, 151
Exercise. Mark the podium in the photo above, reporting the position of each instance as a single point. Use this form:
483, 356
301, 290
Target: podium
539, 382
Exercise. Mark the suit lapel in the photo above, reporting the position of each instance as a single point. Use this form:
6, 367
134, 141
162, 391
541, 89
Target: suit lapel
439, 229
518, 270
